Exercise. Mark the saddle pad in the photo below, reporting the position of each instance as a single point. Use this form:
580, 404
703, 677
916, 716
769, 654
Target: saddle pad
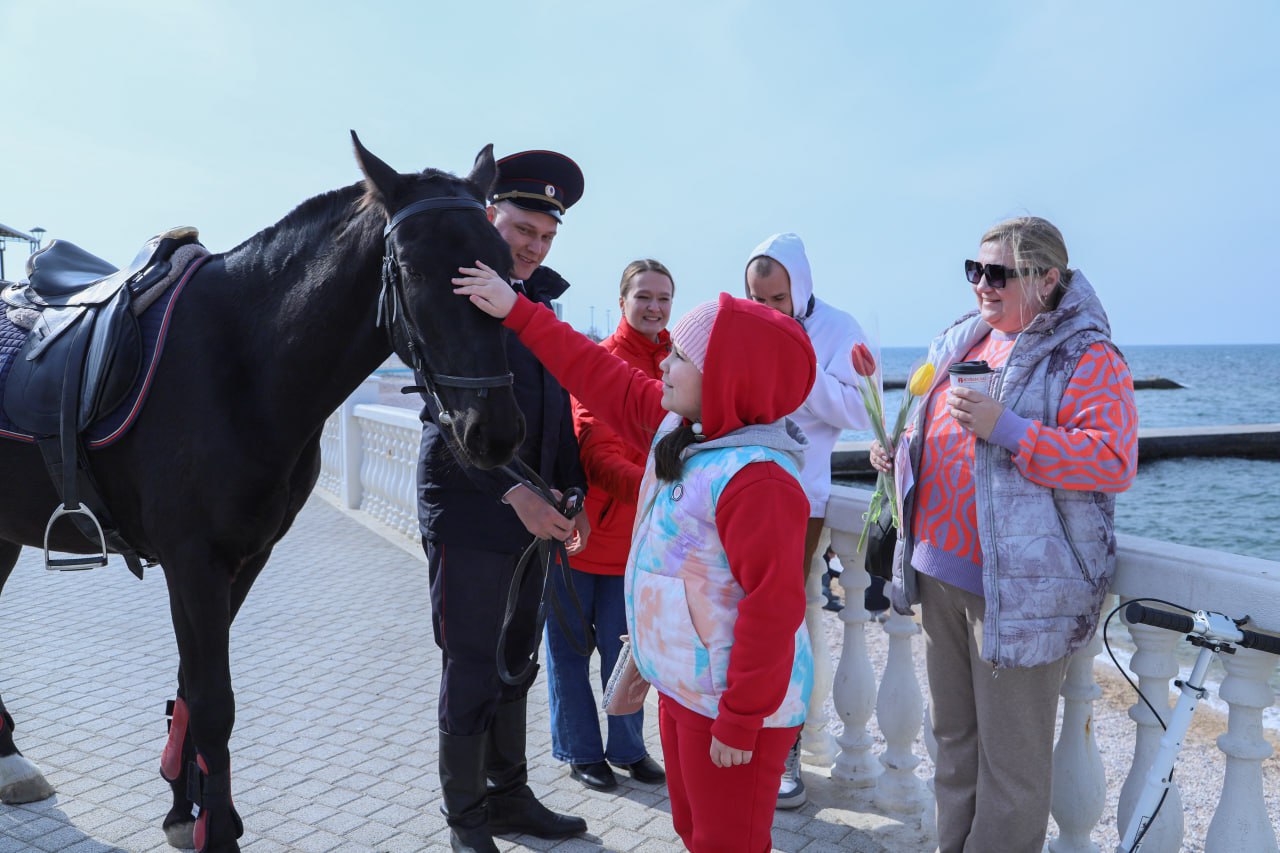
153, 325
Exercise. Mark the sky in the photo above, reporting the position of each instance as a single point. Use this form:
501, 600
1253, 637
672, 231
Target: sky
890, 136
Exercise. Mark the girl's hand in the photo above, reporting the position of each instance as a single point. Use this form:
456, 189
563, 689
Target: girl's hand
487, 290
727, 756
577, 541
880, 459
974, 410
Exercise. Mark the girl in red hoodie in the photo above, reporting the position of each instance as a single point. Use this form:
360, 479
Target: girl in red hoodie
614, 469
715, 607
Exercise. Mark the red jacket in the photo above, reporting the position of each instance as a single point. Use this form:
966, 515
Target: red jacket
613, 467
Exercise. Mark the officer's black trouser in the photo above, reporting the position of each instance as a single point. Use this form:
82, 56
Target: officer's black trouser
468, 597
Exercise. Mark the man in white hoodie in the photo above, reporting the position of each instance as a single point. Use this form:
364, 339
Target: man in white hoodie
778, 276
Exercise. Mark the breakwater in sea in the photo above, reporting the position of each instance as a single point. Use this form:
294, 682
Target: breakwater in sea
1244, 441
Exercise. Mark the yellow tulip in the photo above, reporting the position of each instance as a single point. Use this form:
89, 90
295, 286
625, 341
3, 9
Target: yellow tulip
921, 380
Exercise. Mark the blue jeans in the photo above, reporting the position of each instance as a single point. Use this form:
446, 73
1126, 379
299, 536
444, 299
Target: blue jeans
575, 719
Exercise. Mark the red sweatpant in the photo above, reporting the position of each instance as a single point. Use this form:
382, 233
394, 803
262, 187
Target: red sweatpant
713, 808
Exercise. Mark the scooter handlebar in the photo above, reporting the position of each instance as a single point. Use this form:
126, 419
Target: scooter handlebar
1135, 613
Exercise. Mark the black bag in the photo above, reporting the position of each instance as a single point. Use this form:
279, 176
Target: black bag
882, 538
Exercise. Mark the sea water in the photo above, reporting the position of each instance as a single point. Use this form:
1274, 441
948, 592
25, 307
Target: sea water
1222, 503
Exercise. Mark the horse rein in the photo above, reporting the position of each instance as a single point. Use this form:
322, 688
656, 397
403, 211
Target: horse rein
391, 313
553, 553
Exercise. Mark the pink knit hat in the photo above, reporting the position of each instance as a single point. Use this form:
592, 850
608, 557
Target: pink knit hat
691, 334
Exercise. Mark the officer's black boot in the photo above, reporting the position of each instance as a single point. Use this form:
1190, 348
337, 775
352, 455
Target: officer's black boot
462, 785
512, 806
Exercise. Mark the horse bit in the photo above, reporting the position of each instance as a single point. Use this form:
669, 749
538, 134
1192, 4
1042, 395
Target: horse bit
391, 311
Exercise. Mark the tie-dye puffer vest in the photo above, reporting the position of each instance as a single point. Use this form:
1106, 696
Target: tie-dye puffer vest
682, 599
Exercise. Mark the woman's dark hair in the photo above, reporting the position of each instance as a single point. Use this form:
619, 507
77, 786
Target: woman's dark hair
667, 463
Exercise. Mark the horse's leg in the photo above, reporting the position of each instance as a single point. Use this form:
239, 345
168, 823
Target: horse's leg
20, 780
179, 751
200, 603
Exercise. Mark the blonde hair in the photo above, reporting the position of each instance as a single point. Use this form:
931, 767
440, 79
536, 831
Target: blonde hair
1036, 244
643, 265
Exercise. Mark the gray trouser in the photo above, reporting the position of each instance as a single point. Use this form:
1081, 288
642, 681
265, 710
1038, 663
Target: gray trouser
994, 730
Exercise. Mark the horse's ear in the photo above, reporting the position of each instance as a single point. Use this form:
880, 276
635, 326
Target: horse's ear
381, 181
485, 171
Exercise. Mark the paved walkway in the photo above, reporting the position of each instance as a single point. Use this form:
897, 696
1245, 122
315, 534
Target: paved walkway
335, 745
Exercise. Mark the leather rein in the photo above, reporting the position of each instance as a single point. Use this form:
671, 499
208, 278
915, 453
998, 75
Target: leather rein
392, 315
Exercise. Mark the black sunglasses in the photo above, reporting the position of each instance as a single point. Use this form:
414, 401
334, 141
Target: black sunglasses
997, 274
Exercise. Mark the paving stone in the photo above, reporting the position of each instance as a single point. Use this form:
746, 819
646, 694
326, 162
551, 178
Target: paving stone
336, 677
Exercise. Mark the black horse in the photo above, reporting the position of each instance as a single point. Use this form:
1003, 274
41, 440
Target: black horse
264, 343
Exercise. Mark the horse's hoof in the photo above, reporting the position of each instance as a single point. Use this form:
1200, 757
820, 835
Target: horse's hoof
181, 835
21, 781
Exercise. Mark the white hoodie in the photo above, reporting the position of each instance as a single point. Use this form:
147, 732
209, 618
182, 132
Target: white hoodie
833, 404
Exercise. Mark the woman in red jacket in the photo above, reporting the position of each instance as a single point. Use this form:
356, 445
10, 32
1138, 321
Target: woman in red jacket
613, 471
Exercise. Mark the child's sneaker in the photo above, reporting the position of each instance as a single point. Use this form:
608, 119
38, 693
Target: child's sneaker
791, 789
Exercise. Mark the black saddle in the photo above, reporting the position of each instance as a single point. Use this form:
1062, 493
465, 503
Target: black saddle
79, 362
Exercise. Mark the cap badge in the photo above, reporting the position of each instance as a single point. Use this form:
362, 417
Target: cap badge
550, 191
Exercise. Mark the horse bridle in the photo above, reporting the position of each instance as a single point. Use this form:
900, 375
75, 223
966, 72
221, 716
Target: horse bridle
391, 313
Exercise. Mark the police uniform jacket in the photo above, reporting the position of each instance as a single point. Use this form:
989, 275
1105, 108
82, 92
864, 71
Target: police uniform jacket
462, 505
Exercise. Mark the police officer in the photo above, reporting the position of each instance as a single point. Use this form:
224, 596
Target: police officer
475, 524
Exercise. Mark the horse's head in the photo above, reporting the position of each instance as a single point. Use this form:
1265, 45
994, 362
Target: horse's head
437, 223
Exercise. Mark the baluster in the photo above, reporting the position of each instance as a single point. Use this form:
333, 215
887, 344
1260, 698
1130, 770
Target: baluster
389, 474
377, 503
818, 747
330, 467
1155, 665
899, 711
368, 466
854, 685
1079, 781
1240, 822
407, 500
351, 441
399, 481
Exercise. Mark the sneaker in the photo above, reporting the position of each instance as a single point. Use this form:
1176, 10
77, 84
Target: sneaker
791, 789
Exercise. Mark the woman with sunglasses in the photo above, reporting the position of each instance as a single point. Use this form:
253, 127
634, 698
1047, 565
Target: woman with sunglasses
1007, 541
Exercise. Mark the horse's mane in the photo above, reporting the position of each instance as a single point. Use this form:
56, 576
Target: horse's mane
318, 213
315, 218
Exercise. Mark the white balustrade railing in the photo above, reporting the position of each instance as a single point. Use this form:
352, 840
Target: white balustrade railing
369, 460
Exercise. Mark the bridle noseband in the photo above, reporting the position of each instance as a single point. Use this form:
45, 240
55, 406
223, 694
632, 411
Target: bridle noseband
391, 313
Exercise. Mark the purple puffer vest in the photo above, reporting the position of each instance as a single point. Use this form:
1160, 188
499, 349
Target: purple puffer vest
1048, 555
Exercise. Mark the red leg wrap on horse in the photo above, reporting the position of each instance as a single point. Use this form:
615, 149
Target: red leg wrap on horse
171, 757
206, 789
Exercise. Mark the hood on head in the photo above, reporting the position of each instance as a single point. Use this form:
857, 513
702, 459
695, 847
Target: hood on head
788, 250
759, 367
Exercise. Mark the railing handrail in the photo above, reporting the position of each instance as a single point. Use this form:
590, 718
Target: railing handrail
1199, 578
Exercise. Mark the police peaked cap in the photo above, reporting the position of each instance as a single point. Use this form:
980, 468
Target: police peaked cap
542, 181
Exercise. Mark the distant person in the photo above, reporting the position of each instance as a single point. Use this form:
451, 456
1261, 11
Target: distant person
714, 602
778, 276
475, 524
614, 470
1008, 540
